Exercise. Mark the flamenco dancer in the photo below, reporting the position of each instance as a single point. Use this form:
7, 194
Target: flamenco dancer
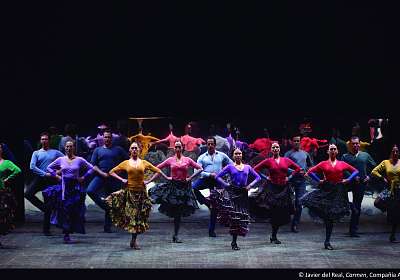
8, 203
176, 198
212, 162
41, 179
232, 203
171, 139
190, 143
303, 159
389, 171
364, 164
330, 201
103, 159
277, 196
67, 200
130, 207
143, 140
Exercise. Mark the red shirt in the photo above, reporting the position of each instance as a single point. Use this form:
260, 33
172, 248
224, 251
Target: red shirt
310, 144
333, 174
261, 144
278, 172
191, 143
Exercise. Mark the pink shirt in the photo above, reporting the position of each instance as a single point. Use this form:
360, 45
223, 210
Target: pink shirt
191, 142
179, 169
171, 138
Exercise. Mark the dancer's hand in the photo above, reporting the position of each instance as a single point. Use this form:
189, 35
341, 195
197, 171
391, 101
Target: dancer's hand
81, 179
188, 179
124, 181
146, 182
169, 178
366, 179
58, 178
345, 181
321, 182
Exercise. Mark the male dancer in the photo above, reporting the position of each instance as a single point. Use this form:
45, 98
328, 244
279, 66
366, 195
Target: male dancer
41, 178
364, 163
212, 162
302, 159
103, 160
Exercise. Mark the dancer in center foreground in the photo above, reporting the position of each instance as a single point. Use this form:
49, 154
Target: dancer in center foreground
232, 203
277, 196
176, 198
330, 201
130, 207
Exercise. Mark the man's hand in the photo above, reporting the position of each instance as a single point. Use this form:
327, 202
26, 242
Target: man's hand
366, 179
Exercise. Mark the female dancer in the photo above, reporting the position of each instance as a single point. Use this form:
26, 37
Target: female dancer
232, 203
67, 201
330, 201
277, 196
389, 171
176, 198
130, 207
8, 204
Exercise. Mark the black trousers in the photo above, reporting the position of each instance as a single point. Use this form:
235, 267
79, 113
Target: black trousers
34, 186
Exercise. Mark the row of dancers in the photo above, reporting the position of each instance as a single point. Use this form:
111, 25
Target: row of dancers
62, 180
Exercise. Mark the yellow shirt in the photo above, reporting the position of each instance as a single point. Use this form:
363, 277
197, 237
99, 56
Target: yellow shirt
135, 173
363, 146
144, 142
391, 172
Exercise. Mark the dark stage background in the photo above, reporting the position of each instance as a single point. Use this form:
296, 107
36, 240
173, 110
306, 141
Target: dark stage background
256, 63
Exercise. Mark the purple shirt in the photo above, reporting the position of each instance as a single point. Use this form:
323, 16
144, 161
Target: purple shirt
238, 178
78, 167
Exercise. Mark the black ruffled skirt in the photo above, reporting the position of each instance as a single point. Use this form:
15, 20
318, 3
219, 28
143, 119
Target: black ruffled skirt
8, 206
277, 202
232, 206
176, 198
328, 202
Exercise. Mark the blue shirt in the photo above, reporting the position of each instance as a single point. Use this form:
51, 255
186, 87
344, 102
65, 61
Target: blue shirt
107, 158
41, 159
362, 161
301, 158
213, 163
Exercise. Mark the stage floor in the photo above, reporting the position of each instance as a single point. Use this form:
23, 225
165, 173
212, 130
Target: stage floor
26, 247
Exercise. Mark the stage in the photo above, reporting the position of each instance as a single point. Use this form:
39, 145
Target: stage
27, 247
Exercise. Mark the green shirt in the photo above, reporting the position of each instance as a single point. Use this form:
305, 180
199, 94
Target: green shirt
8, 170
